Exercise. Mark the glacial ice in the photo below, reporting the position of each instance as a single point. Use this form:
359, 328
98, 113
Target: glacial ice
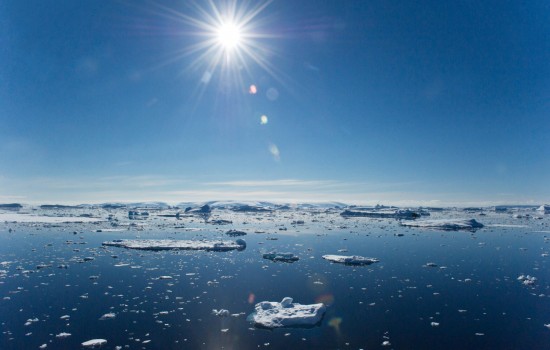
544, 209
220, 312
93, 343
350, 260
174, 244
271, 314
445, 224
285, 257
383, 213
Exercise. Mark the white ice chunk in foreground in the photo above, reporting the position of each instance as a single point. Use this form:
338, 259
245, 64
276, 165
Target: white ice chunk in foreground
350, 260
544, 209
94, 342
445, 224
271, 314
170, 244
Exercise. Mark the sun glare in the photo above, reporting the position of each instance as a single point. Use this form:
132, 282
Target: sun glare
229, 36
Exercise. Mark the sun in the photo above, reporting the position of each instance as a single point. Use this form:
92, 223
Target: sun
228, 40
229, 36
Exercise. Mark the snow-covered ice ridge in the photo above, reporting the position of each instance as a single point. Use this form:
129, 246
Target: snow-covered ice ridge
175, 244
446, 224
385, 213
271, 314
350, 260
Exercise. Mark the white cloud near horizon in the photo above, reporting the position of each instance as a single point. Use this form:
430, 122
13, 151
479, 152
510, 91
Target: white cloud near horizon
171, 189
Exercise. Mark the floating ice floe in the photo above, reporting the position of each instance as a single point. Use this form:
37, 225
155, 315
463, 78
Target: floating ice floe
384, 213
544, 209
235, 233
173, 244
445, 224
285, 257
271, 314
350, 260
527, 280
93, 343
108, 316
63, 335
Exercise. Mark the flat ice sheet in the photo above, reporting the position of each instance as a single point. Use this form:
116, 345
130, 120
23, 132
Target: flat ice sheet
446, 224
170, 244
350, 260
18, 217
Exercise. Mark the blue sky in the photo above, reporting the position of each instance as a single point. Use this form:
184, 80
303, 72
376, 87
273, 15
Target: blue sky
396, 102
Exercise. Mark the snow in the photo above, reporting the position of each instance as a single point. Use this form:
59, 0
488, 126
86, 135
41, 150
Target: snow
350, 260
446, 224
94, 342
169, 244
270, 314
285, 257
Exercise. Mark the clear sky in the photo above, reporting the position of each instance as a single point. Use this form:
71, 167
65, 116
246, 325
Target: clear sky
394, 102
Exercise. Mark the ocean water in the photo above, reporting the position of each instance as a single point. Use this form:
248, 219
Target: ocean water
472, 299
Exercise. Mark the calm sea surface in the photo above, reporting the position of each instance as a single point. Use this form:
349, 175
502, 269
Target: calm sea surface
470, 300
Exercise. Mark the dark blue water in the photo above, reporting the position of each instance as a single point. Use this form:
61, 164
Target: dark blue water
395, 300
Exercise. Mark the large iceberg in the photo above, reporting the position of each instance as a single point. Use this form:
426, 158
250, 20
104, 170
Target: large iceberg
446, 224
271, 314
544, 209
175, 244
350, 260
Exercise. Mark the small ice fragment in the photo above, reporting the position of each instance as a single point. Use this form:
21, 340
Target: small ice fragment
43, 346
63, 335
434, 324
220, 312
386, 343
108, 316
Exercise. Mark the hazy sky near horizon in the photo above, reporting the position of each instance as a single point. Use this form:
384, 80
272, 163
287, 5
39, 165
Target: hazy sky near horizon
395, 102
